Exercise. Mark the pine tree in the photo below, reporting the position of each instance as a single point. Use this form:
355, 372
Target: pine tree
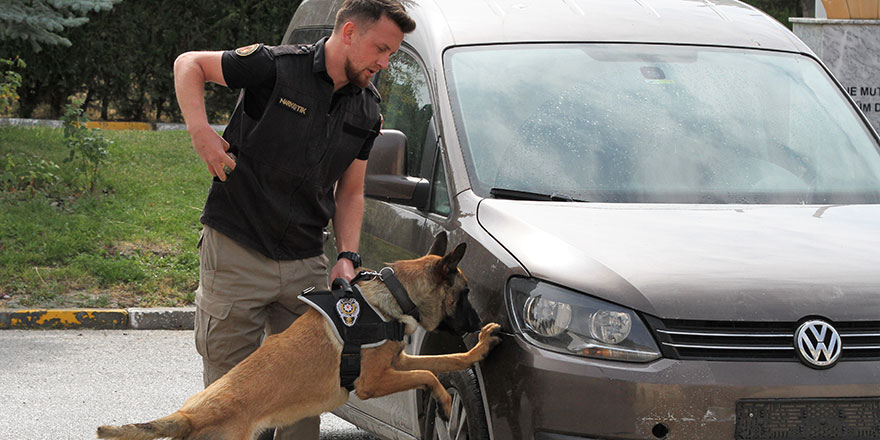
39, 21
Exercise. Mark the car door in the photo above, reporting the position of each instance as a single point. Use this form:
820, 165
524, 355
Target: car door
392, 232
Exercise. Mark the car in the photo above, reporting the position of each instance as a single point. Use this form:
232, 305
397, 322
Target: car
671, 207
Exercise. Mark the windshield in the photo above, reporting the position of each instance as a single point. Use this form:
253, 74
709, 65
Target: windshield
653, 123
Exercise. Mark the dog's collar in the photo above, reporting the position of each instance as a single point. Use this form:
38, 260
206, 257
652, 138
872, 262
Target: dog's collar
386, 275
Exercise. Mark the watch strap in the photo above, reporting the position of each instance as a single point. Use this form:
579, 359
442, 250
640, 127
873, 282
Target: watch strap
354, 257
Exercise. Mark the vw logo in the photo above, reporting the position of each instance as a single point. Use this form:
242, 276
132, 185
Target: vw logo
818, 344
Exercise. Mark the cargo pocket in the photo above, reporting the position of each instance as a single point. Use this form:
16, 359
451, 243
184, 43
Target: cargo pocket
210, 313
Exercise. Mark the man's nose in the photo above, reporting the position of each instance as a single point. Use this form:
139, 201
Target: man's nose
383, 62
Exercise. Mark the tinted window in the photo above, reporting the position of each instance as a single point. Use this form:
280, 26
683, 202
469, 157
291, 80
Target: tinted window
406, 105
439, 191
308, 36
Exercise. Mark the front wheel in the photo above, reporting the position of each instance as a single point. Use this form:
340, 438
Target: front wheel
468, 418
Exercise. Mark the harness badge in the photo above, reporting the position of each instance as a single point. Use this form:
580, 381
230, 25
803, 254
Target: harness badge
349, 310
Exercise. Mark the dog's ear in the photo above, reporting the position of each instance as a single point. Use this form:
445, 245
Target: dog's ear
448, 265
439, 246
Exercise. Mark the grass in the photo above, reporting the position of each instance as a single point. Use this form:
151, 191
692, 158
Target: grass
130, 243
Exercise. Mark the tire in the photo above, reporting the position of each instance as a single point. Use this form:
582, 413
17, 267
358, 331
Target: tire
468, 418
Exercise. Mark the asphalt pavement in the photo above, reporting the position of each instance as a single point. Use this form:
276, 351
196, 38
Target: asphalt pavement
62, 384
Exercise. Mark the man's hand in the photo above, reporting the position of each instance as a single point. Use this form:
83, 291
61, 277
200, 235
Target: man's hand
212, 148
342, 269
191, 71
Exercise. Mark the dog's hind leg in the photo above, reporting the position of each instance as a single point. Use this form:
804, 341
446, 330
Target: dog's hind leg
221, 433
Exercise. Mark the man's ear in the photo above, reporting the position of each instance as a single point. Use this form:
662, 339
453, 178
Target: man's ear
348, 30
439, 246
448, 265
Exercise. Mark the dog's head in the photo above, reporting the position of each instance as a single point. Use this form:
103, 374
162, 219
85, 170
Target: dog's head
441, 292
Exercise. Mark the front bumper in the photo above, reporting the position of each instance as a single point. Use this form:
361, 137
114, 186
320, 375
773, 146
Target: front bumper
536, 394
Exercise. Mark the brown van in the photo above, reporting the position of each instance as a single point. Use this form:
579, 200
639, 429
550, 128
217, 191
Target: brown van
671, 205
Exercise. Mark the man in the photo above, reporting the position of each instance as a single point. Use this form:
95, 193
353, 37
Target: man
292, 157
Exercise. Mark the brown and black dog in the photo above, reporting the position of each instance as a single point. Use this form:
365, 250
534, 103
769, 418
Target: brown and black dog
295, 374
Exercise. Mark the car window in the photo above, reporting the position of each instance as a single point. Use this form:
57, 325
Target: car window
406, 105
308, 35
439, 191
636, 123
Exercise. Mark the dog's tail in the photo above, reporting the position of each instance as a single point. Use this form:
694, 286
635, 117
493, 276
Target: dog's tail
176, 425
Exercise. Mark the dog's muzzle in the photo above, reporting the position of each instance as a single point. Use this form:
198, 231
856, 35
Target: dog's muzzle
464, 319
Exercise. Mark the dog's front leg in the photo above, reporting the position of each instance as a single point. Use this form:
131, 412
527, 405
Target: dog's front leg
451, 362
379, 379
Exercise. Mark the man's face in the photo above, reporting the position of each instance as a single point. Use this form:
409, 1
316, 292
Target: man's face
369, 50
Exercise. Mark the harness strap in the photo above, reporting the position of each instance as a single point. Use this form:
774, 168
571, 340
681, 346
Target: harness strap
367, 326
399, 292
349, 365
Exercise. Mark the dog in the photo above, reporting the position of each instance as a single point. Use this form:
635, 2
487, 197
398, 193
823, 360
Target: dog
296, 373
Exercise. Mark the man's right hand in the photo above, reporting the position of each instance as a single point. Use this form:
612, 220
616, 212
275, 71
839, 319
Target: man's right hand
191, 71
212, 148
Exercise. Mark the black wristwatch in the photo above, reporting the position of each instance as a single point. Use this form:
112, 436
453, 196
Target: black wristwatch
353, 256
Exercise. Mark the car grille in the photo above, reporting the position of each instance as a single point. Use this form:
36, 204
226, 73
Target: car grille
756, 341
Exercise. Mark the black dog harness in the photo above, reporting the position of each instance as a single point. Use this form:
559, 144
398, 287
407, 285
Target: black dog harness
355, 322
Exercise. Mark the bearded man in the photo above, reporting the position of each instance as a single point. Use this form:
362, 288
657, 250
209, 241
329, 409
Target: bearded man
292, 158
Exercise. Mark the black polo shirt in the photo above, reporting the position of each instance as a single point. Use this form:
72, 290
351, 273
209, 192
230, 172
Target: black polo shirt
293, 138
255, 74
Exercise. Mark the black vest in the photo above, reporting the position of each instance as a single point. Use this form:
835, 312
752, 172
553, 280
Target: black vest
355, 323
279, 198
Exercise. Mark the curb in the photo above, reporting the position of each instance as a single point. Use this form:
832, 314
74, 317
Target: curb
167, 318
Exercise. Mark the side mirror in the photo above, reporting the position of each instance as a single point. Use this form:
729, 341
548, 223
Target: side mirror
386, 177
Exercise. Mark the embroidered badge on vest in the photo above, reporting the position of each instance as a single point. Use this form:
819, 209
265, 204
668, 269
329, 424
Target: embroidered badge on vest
349, 310
247, 50
293, 106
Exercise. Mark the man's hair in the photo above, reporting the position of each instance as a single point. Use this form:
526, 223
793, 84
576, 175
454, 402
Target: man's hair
368, 12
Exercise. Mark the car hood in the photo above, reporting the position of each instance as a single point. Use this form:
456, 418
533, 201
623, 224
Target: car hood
748, 263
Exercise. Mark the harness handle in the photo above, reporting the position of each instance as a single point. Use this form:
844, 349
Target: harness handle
341, 288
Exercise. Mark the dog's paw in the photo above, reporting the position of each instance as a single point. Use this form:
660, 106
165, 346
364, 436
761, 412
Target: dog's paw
489, 334
488, 339
444, 406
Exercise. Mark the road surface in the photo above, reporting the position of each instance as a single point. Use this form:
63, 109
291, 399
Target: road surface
61, 384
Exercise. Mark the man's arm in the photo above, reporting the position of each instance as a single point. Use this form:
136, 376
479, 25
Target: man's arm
191, 71
348, 216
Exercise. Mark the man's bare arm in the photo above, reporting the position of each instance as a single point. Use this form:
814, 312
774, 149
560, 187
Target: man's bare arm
349, 216
191, 71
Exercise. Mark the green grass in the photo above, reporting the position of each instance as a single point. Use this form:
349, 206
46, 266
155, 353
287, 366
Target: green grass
131, 242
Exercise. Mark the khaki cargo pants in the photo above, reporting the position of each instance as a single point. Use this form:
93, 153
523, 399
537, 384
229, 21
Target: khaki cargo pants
243, 295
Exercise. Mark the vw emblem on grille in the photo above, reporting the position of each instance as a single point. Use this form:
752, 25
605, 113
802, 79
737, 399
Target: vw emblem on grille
818, 344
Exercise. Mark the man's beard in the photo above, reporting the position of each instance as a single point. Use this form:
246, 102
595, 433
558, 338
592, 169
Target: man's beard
355, 76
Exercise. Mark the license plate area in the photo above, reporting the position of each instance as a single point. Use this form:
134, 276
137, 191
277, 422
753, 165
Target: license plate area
837, 419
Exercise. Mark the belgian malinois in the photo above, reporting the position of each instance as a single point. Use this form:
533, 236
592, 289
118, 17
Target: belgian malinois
295, 374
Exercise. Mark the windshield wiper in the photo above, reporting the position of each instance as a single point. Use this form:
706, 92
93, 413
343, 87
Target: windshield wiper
515, 194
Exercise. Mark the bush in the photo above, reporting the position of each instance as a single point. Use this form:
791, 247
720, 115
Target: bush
10, 81
83, 143
31, 176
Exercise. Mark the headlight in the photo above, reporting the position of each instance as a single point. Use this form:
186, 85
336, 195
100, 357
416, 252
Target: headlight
566, 321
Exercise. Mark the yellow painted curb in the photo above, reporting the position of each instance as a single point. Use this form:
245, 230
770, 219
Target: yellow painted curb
114, 125
64, 318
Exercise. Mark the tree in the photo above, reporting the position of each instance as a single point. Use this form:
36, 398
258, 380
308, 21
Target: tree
40, 20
